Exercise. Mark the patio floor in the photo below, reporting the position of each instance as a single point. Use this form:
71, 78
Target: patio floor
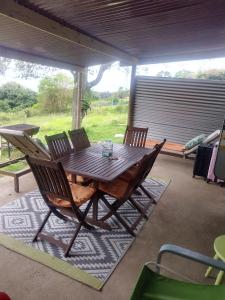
191, 213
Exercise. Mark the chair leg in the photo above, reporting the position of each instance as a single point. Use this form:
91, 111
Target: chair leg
66, 253
209, 270
42, 226
219, 278
110, 213
137, 192
117, 215
147, 194
139, 208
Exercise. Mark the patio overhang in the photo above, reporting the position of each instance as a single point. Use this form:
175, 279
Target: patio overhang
80, 34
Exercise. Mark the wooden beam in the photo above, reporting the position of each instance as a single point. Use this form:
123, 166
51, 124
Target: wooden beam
16, 54
22, 14
77, 99
132, 95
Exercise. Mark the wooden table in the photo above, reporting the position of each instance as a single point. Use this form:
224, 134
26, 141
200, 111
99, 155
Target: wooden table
90, 163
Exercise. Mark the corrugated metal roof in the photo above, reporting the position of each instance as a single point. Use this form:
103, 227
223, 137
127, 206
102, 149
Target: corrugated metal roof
154, 31
18, 36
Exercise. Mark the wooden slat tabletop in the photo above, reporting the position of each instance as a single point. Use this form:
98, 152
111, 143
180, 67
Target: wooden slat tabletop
90, 163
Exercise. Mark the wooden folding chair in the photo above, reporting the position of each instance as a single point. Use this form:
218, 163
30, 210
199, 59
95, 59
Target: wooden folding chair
79, 139
122, 191
130, 173
158, 148
59, 145
63, 200
24, 143
135, 136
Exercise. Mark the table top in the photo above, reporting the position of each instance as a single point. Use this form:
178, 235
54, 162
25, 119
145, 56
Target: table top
90, 163
29, 129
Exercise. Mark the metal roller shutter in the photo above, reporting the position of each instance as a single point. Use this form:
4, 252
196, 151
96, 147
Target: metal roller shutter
178, 109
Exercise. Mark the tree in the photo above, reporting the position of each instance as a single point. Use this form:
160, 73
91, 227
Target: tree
15, 96
29, 70
55, 93
164, 74
4, 64
185, 74
86, 88
213, 74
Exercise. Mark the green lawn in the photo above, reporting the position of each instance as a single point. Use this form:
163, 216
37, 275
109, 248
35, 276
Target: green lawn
101, 123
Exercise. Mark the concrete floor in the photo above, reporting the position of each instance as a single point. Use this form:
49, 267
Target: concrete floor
191, 213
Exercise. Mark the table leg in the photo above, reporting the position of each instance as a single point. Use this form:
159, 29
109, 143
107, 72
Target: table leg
94, 220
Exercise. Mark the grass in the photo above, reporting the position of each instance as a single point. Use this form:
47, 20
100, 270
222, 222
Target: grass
101, 123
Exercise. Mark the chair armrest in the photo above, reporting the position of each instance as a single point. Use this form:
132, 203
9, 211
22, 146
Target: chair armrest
189, 254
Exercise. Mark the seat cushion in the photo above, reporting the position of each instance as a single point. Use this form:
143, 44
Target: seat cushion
78, 179
81, 194
117, 188
195, 141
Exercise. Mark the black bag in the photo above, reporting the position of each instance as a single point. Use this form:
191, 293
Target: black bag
202, 160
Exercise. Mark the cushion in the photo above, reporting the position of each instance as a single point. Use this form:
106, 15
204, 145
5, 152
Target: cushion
195, 141
81, 194
213, 136
117, 188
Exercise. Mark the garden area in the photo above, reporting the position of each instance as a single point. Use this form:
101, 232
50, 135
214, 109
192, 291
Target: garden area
104, 114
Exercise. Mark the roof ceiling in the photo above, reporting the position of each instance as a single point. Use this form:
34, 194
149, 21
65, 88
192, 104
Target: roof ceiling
153, 31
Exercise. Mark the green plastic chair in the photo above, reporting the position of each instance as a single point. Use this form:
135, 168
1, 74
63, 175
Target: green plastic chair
219, 248
154, 286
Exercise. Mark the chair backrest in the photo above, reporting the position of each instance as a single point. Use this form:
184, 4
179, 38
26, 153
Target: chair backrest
59, 145
24, 143
135, 136
146, 162
79, 139
149, 166
51, 180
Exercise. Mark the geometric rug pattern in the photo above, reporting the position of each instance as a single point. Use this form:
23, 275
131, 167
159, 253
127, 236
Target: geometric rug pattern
96, 252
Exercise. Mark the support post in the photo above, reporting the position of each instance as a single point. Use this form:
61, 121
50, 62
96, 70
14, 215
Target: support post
77, 99
132, 95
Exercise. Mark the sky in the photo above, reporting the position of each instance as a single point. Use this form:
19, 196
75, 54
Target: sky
117, 76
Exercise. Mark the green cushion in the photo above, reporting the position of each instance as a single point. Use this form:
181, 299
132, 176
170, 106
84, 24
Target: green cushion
152, 286
195, 141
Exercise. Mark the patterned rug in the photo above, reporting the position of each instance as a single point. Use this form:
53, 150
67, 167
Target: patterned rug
95, 254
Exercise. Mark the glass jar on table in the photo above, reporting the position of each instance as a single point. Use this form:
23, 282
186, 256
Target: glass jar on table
107, 148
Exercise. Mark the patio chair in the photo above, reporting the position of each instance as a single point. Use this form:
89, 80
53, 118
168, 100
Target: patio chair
59, 145
63, 199
121, 190
135, 136
152, 285
128, 175
79, 139
24, 143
